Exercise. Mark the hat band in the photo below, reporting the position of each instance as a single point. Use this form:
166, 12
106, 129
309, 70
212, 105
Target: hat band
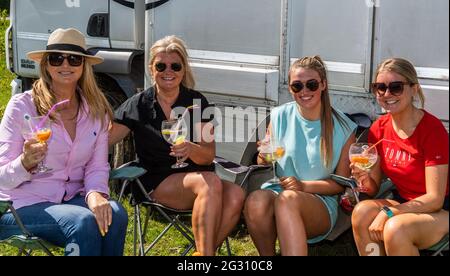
67, 47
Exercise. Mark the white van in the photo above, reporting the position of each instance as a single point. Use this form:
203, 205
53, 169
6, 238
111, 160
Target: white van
241, 50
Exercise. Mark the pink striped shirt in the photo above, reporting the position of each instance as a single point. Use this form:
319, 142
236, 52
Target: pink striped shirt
79, 167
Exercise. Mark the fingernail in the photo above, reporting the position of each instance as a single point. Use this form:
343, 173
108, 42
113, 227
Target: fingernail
102, 233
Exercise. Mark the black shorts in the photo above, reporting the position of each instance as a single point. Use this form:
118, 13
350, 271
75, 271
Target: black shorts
400, 199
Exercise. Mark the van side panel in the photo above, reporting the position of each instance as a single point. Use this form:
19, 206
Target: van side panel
32, 29
418, 31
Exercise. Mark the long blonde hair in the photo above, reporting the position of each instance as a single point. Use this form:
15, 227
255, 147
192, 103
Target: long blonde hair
326, 117
44, 98
404, 68
173, 44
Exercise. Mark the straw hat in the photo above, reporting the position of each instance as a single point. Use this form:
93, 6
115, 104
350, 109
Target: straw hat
69, 41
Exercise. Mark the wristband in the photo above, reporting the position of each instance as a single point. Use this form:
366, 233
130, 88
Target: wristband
388, 211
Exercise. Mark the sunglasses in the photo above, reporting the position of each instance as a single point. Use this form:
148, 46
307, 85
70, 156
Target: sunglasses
395, 88
57, 59
298, 86
161, 67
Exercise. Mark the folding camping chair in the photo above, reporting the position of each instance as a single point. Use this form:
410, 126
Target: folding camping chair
129, 174
26, 242
439, 248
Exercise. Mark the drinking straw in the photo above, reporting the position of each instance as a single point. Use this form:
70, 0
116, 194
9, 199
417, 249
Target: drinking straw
41, 123
374, 145
177, 126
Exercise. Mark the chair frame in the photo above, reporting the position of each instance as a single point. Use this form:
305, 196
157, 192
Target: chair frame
25, 242
130, 175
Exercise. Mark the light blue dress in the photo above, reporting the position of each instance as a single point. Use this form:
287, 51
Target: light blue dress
301, 139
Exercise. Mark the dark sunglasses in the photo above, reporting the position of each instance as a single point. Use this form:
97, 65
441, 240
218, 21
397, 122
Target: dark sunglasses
298, 86
57, 59
395, 88
161, 67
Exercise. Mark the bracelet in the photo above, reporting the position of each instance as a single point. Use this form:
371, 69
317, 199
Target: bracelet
388, 211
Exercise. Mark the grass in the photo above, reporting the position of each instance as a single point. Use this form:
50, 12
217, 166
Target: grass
173, 243
5, 76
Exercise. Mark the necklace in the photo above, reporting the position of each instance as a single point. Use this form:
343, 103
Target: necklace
73, 117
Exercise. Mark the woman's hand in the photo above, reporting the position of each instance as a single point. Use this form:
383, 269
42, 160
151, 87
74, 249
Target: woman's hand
377, 227
261, 160
291, 183
361, 176
101, 208
33, 153
181, 150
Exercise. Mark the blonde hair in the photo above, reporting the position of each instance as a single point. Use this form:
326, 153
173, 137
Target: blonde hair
326, 117
44, 98
404, 68
173, 44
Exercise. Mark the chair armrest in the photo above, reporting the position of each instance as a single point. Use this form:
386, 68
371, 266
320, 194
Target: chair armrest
230, 166
228, 170
4, 206
126, 173
344, 181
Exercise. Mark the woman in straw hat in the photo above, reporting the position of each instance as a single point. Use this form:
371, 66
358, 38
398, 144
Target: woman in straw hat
68, 205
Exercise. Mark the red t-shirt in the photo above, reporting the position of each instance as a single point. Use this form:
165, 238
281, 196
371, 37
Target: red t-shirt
404, 160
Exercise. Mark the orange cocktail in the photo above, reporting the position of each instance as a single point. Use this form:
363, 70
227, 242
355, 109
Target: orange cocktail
363, 160
43, 135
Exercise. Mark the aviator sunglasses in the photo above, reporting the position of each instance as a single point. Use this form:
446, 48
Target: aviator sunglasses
395, 88
57, 59
161, 67
298, 86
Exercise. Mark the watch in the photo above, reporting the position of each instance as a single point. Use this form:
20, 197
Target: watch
388, 211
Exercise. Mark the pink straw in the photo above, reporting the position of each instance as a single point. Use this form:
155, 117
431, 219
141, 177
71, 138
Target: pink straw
41, 123
374, 145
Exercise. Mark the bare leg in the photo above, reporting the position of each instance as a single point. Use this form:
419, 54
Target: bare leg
362, 217
260, 218
201, 192
405, 234
299, 216
232, 201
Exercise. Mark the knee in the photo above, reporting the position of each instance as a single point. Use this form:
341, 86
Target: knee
212, 184
86, 224
289, 199
363, 214
395, 233
234, 197
257, 206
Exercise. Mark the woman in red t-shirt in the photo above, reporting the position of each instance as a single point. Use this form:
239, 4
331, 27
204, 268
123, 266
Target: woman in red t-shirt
414, 155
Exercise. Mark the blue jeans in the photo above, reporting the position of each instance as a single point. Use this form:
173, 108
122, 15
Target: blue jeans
71, 225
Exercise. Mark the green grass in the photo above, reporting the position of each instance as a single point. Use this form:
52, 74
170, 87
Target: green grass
172, 244
5, 75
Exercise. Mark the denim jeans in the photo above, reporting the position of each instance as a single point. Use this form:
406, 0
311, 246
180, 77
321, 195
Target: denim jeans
71, 225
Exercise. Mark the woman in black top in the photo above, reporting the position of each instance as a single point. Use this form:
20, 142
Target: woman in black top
216, 205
